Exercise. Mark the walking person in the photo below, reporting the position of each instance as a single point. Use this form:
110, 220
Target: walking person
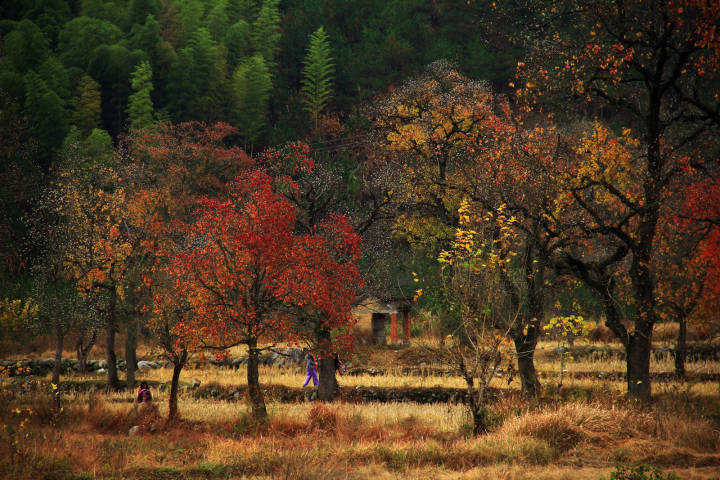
311, 369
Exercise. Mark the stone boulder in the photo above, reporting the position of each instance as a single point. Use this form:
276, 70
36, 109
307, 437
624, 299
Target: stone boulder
147, 365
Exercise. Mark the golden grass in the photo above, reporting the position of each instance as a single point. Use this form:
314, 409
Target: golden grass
573, 440
548, 439
394, 378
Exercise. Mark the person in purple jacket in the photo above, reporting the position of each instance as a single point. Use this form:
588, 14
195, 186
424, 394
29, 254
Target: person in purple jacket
311, 369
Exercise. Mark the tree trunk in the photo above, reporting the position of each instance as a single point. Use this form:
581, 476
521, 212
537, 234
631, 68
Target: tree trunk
255, 394
638, 366
59, 337
475, 400
479, 414
525, 350
681, 349
84, 350
173, 401
526, 335
81, 357
130, 352
476, 403
113, 382
327, 385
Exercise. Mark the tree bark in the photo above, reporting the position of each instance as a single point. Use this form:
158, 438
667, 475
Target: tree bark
681, 349
479, 414
255, 394
327, 384
84, 350
638, 366
173, 400
525, 350
130, 352
525, 335
113, 381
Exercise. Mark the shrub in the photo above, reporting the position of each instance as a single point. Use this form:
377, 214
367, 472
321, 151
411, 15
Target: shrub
639, 472
322, 418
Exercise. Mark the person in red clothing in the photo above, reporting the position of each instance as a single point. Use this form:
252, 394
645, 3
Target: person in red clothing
144, 395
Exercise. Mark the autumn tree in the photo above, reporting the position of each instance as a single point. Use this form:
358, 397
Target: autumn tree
449, 138
327, 185
97, 249
247, 275
54, 290
167, 169
654, 64
474, 288
687, 264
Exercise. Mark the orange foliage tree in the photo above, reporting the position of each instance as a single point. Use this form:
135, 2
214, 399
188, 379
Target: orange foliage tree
247, 276
650, 65
448, 138
99, 247
167, 169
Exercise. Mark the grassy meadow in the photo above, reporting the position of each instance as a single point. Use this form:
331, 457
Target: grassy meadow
579, 432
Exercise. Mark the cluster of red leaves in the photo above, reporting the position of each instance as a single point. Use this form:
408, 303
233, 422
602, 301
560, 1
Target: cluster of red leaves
247, 275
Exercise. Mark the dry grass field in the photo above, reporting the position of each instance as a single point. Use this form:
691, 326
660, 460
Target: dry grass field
581, 433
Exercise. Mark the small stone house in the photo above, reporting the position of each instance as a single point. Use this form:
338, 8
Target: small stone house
373, 315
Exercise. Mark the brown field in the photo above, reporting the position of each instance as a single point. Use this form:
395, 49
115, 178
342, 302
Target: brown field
581, 434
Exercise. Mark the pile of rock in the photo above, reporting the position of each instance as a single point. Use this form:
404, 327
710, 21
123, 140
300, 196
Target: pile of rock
44, 366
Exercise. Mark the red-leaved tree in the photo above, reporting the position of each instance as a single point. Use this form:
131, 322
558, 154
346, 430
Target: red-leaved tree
248, 277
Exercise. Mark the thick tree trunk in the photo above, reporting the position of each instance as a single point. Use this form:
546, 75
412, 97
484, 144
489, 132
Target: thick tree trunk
173, 401
110, 344
327, 385
525, 336
255, 394
525, 350
59, 337
681, 349
130, 352
638, 366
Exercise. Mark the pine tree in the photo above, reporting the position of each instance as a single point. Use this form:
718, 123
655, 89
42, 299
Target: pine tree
47, 115
98, 145
191, 76
317, 81
25, 46
140, 106
266, 32
217, 20
88, 106
140, 9
251, 92
238, 10
56, 77
237, 43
